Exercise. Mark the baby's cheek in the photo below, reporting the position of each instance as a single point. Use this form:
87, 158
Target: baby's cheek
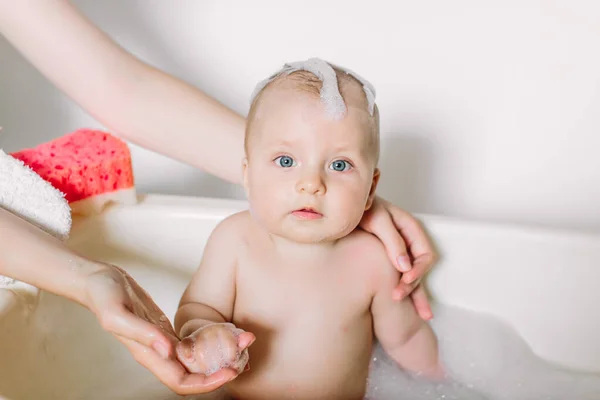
354, 215
345, 224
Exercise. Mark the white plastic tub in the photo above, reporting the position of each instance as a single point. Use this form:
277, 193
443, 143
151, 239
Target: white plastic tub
543, 283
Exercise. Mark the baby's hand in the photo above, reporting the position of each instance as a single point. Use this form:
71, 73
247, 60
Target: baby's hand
214, 347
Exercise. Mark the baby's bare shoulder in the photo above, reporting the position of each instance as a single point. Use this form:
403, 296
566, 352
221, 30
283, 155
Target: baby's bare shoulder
369, 253
363, 244
233, 227
232, 234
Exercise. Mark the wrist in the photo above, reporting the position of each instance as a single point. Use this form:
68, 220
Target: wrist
83, 270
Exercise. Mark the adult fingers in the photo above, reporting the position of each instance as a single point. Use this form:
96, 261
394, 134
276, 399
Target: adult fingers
421, 302
172, 374
380, 223
130, 326
417, 242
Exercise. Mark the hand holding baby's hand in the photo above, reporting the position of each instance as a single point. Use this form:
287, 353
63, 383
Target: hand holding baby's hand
214, 347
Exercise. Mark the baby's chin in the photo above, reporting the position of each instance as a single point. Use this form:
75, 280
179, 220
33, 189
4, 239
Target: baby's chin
313, 233
318, 231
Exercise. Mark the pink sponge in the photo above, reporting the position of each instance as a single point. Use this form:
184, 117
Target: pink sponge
92, 168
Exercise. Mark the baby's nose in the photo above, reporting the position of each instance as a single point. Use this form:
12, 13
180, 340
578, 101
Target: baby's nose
311, 184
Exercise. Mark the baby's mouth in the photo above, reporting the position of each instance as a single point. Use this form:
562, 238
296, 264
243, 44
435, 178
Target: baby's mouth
307, 213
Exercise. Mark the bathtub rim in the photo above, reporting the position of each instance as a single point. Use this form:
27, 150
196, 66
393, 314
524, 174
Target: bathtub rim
219, 208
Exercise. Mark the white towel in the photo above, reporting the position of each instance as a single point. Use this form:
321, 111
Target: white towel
25, 194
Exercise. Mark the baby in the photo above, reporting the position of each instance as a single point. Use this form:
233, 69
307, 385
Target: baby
293, 273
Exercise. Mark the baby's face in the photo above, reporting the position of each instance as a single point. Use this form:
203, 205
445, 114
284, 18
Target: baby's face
308, 178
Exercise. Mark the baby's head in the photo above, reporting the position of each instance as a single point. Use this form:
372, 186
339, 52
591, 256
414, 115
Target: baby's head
312, 148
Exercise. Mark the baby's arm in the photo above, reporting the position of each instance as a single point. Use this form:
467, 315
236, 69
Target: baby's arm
404, 336
210, 294
209, 341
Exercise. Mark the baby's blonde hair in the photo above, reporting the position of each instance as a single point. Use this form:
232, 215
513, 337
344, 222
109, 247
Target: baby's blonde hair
308, 82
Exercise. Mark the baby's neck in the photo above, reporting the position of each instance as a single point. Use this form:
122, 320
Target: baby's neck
313, 253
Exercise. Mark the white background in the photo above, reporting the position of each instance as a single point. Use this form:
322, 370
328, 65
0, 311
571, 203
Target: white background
490, 109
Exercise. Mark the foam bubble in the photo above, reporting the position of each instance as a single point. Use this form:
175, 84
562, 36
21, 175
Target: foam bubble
221, 357
485, 359
330, 94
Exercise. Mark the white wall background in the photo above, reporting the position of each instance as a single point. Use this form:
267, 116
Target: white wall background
490, 109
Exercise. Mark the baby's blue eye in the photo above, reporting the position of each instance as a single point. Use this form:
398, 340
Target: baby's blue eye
340, 165
285, 161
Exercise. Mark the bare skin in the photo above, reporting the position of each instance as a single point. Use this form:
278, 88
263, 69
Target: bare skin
313, 322
295, 272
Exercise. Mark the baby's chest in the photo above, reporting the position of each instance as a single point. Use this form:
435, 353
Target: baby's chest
276, 295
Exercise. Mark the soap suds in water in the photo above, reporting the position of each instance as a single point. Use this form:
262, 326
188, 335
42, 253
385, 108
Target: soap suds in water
6, 281
486, 359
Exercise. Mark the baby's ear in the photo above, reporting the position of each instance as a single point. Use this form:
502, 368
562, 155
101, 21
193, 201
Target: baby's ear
376, 175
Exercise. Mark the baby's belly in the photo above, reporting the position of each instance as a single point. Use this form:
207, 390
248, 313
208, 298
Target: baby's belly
316, 360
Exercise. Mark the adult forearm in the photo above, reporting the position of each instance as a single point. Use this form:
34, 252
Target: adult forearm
33, 256
138, 102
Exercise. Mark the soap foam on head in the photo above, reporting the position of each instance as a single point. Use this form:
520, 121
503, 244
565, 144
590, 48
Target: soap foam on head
330, 94
327, 81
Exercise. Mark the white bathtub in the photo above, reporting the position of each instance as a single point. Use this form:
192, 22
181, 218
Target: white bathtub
544, 283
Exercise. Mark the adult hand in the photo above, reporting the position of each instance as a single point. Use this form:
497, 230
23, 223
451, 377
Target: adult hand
125, 310
407, 247
215, 346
